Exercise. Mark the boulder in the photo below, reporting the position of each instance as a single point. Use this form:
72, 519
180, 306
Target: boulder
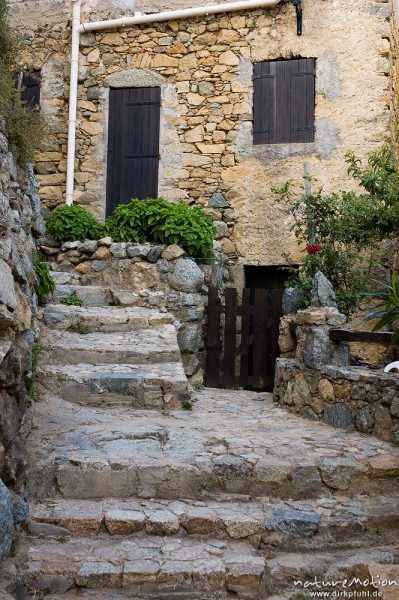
218, 201
20, 510
118, 250
190, 338
322, 291
89, 246
338, 415
154, 254
173, 252
7, 289
291, 301
6, 521
187, 276
221, 230
295, 523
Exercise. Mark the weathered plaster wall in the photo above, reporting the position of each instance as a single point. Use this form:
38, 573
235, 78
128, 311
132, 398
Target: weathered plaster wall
204, 68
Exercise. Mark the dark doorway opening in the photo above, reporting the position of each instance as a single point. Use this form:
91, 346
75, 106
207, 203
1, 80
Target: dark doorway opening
272, 279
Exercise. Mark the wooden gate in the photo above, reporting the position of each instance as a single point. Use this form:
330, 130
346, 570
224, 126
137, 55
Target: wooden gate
242, 348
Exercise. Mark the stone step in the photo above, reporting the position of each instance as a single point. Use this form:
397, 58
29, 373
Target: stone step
163, 594
153, 345
226, 444
103, 318
153, 566
316, 524
147, 385
91, 295
350, 571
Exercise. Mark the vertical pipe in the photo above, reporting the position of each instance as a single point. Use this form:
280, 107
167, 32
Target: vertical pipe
73, 99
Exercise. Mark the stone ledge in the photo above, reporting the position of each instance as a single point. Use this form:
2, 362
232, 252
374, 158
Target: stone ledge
344, 397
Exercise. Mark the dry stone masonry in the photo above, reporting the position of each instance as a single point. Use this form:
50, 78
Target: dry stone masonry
20, 222
314, 378
143, 275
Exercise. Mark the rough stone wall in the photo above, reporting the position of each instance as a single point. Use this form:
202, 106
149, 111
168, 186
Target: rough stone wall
394, 70
19, 222
314, 379
146, 275
204, 69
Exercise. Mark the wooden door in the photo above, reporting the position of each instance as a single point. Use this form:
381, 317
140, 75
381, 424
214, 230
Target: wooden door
266, 285
133, 145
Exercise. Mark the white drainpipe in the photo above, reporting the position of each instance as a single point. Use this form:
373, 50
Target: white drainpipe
171, 15
73, 100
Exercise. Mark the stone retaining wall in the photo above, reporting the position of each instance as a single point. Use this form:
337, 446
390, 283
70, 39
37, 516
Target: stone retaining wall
314, 378
19, 222
147, 275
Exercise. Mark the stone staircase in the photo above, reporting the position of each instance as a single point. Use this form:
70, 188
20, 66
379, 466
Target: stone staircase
144, 488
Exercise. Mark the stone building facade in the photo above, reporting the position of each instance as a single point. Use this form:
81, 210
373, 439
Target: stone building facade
204, 69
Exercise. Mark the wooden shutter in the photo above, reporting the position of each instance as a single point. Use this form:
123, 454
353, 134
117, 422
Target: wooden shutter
265, 103
133, 145
284, 100
29, 84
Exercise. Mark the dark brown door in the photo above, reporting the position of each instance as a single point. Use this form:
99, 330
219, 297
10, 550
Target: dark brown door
266, 285
133, 145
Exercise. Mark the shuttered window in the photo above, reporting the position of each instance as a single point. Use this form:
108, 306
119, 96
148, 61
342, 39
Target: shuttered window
284, 101
133, 145
28, 83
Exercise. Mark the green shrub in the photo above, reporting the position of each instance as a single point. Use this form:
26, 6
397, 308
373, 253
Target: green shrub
45, 283
157, 220
188, 227
387, 310
72, 300
24, 126
137, 220
346, 228
71, 223
81, 328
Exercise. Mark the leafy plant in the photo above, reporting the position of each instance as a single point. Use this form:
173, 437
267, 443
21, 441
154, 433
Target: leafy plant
198, 386
80, 328
387, 310
24, 126
45, 283
376, 213
71, 223
72, 300
341, 231
320, 225
157, 220
188, 227
187, 405
135, 221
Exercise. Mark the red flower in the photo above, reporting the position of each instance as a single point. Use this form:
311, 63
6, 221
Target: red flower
313, 249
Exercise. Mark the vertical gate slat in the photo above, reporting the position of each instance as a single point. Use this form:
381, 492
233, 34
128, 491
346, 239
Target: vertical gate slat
277, 300
213, 345
260, 339
230, 330
244, 337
